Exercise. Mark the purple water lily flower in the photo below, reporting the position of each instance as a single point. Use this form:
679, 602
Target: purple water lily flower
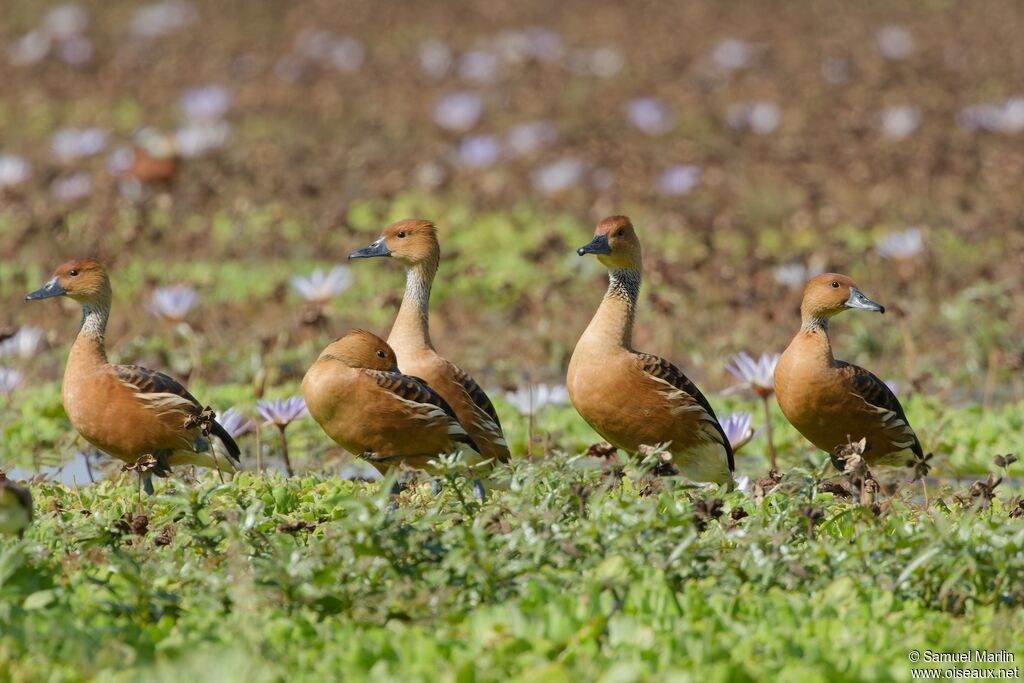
435, 58
320, 287
761, 117
478, 66
205, 103
71, 188
558, 176
733, 54
282, 412
22, 343
70, 144
899, 122
905, 244
478, 151
236, 423
161, 18
526, 138
530, 399
173, 303
199, 137
650, 115
30, 48
738, 429
543, 44
13, 170
10, 379
65, 21
679, 179
458, 111
894, 42
75, 51
758, 374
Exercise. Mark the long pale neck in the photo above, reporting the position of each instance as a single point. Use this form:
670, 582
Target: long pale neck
612, 325
90, 344
813, 338
411, 330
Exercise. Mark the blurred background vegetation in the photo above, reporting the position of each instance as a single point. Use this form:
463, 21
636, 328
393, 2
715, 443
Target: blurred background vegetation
753, 144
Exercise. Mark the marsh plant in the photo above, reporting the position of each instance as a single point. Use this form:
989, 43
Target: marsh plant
759, 375
281, 413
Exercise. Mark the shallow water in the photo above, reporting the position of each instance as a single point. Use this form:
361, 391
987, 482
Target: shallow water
88, 468
80, 470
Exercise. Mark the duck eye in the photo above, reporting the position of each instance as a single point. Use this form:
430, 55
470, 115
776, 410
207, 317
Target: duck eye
620, 233
380, 353
401, 234
73, 273
835, 284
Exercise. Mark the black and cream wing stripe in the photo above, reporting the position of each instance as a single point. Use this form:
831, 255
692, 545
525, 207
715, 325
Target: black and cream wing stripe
424, 400
164, 394
485, 414
880, 399
147, 381
686, 394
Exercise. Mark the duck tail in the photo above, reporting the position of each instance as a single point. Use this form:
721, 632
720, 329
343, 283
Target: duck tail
233, 451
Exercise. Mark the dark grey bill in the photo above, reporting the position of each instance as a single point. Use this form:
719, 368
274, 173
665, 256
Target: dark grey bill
598, 245
378, 248
858, 300
51, 288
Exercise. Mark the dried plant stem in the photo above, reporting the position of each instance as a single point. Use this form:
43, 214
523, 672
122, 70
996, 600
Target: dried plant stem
259, 451
529, 420
140, 491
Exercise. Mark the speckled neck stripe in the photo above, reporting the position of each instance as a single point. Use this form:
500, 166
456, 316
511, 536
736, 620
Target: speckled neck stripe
624, 283
417, 288
815, 325
94, 320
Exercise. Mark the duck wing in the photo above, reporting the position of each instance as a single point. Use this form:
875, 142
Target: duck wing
685, 393
880, 399
162, 394
423, 400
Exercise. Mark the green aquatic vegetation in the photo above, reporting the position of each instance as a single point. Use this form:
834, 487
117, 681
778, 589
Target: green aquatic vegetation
571, 572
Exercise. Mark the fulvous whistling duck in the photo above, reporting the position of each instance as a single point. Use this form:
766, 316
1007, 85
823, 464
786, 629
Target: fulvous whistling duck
832, 402
357, 395
154, 158
15, 507
413, 243
125, 410
631, 398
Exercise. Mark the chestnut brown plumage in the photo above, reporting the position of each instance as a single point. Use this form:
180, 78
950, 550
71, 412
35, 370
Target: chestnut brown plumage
129, 411
832, 402
414, 244
356, 393
15, 507
632, 398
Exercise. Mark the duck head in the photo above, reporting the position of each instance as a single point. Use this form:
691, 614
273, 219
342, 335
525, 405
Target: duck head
362, 349
829, 294
615, 244
83, 280
412, 242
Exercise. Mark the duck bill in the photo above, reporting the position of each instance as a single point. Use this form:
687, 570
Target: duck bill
858, 300
378, 248
50, 289
598, 245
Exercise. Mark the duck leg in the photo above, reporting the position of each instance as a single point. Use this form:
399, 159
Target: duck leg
145, 482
